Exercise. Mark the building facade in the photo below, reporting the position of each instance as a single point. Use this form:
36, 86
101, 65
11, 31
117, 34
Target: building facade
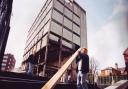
8, 62
5, 14
110, 71
57, 32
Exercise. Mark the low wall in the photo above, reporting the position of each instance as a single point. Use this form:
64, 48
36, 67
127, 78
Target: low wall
122, 84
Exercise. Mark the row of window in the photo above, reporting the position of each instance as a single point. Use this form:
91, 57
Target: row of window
43, 11
68, 23
66, 42
7, 68
41, 30
66, 33
40, 26
43, 42
72, 7
37, 46
68, 13
42, 19
59, 6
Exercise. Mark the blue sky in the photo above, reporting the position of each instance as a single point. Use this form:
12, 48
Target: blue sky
106, 26
107, 31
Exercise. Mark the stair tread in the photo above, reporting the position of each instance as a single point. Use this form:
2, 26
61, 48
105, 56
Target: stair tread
22, 81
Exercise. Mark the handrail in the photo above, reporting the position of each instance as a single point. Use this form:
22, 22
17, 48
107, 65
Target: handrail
52, 82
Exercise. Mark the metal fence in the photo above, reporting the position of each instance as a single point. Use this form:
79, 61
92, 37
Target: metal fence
108, 80
111, 79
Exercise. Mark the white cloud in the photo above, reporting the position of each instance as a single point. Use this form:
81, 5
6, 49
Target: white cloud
108, 44
105, 45
120, 7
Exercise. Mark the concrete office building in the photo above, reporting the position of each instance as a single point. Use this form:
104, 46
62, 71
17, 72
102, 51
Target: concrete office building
57, 32
8, 62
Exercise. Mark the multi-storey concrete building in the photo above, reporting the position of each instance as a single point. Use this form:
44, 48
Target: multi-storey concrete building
57, 32
8, 62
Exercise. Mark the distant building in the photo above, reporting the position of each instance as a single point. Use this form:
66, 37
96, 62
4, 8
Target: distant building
109, 72
5, 15
8, 62
57, 32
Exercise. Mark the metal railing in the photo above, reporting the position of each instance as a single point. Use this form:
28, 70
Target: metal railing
105, 81
111, 79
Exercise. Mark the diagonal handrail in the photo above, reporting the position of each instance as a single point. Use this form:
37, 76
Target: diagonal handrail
52, 82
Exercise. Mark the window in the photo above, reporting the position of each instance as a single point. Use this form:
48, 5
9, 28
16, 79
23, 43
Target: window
58, 6
56, 28
46, 27
67, 34
69, 5
38, 46
76, 19
49, 7
44, 41
27, 55
57, 16
67, 1
31, 51
40, 34
4, 60
76, 29
62, 1
67, 23
76, 39
77, 10
35, 39
3, 64
48, 16
68, 13
34, 49
53, 37
5, 57
67, 44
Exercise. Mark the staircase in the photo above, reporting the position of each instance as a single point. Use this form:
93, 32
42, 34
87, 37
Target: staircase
10, 80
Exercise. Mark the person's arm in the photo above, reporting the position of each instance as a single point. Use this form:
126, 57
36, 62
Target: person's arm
77, 58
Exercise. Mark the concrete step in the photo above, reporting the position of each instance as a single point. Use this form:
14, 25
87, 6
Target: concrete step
23, 81
29, 84
22, 76
122, 84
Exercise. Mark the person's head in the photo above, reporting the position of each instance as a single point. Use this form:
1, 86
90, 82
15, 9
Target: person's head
84, 50
126, 54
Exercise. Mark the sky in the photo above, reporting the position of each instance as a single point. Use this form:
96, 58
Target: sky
107, 22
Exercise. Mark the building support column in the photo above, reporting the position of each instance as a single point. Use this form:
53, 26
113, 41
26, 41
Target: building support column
45, 60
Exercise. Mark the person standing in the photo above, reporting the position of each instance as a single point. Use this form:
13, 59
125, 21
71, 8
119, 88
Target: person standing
31, 63
126, 61
82, 61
